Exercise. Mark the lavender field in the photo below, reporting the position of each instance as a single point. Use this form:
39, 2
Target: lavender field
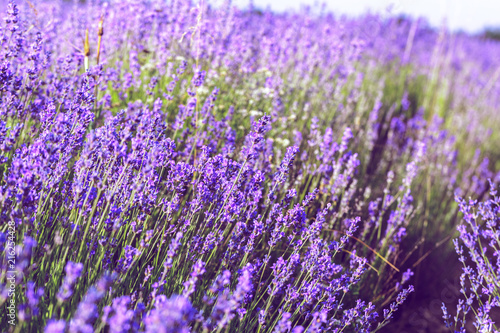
175, 166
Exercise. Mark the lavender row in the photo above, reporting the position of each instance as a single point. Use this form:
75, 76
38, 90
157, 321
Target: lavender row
179, 167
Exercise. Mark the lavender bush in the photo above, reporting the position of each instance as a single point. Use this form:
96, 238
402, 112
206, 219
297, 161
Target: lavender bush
177, 167
479, 282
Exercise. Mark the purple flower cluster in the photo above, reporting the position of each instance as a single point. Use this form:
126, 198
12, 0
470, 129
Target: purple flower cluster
479, 281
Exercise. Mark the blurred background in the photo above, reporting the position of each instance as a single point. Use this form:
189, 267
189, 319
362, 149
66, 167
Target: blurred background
474, 17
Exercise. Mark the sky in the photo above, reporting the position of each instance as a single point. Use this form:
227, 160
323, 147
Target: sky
467, 15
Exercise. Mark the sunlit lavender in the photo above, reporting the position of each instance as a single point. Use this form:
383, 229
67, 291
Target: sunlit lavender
182, 166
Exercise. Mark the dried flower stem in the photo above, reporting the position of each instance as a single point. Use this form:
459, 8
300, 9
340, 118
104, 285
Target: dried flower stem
86, 50
100, 32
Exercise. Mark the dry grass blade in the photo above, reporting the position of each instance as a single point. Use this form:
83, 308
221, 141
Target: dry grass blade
438, 244
368, 247
359, 257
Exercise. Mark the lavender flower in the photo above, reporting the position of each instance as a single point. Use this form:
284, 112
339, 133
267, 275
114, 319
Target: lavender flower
175, 313
73, 272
